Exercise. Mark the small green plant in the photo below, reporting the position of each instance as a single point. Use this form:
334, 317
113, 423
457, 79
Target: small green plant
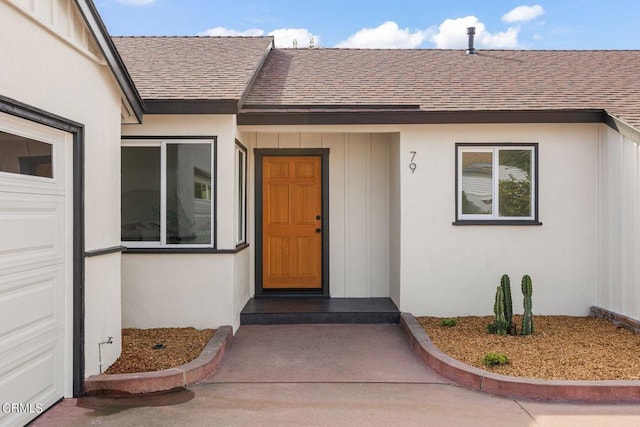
449, 322
495, 359
527, 318
499, 325
505, 284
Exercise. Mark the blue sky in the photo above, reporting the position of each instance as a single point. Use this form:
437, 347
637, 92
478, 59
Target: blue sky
501, 24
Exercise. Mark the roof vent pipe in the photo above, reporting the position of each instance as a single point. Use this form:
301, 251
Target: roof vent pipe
471, 31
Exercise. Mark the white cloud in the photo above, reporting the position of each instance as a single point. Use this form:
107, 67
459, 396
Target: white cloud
226, 32
284, 37
387, 35
452, 34
137, 2
523, 13
502, 40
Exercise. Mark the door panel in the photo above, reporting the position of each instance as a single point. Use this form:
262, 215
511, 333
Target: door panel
292, 222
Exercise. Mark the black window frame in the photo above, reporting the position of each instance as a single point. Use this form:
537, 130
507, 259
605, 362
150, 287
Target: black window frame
168, 249
535, 184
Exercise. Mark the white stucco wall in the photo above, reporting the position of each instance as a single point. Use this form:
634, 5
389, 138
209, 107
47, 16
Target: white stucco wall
52, 63
451, 270
177, 290
619, 233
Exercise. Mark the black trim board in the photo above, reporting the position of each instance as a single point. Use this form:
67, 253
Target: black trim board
535, 220
259, 154
18, 109
177, 250
246, 178
313, 117
116, 64
191, 106
104, 251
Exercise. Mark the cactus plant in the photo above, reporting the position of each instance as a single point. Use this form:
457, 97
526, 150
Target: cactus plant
527, 318
505, 284
500, 324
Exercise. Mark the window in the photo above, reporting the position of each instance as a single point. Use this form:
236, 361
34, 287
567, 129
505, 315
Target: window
25, 156
167, 198
241, 194
496, 184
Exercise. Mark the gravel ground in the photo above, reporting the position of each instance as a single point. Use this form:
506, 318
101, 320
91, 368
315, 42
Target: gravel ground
562, 348
177, 347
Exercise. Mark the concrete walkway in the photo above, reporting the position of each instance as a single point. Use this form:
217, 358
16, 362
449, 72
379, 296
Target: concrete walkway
328, 375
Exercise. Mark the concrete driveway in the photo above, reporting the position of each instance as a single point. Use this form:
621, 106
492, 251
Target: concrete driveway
292, 375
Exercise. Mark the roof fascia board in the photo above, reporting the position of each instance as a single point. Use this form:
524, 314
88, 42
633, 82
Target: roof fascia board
101, 35
622, 128
195, 106
419, 117
253, 78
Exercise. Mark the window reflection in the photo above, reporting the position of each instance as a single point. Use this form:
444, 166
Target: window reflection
188, 211
141, 194
25, 156
477, 182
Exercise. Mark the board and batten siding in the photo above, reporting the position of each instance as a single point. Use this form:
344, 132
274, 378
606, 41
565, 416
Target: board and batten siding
619, 218
359, 171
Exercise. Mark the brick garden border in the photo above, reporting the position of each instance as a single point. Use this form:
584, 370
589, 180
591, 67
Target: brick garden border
168, 379
610, 391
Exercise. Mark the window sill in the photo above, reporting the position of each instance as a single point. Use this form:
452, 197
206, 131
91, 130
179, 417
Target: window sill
495, 222
157, 250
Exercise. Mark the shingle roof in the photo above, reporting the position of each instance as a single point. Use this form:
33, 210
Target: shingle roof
450, 80
192, 68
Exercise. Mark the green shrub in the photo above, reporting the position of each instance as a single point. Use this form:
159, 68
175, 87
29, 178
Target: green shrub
493, 359
448, 322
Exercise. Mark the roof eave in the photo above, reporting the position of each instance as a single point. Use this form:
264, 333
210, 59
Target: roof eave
621, 127
256, 116
119, 70
191, 106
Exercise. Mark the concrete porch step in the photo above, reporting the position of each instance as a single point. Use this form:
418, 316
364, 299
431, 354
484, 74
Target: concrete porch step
299, 310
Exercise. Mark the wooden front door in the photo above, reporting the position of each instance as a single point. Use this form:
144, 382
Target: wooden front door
292, 223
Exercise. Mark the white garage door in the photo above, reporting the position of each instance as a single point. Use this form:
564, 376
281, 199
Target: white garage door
35, 268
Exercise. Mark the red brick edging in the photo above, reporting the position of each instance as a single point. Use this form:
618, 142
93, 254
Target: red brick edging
514, 387
180, 376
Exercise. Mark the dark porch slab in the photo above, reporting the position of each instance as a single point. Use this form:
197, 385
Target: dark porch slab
278, 311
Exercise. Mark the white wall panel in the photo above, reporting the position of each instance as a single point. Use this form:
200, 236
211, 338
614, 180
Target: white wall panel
395, 226
619, 233
359, 206
338, 255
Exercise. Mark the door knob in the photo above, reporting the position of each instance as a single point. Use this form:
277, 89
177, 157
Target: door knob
318, 230
318, 217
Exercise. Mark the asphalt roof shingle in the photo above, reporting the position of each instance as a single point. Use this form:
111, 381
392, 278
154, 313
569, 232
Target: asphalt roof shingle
221, 68
192, 68
451, 80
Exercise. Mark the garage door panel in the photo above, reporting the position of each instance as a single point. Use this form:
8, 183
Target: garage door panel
32, 376
31, 305
33, 232
36, 266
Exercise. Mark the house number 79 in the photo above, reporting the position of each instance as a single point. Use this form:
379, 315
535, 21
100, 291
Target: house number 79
412, 163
